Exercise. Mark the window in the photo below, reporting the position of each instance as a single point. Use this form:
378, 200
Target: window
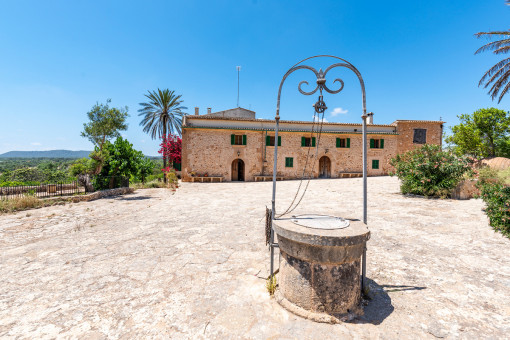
420, 136
289, 162
375, 164
238, 139
307, 141
270, 140
377, 144
343, 142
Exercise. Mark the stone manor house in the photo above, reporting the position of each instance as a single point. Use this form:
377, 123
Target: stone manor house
233, 145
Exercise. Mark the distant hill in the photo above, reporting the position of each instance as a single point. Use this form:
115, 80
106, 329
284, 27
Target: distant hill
46, 154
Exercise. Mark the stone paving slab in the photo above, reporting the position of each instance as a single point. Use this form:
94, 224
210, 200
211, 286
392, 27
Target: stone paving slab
192, 265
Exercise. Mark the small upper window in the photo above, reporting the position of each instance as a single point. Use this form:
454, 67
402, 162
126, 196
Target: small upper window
377, 144
270, 140
307, 141
420, 136
343, 142
238, 139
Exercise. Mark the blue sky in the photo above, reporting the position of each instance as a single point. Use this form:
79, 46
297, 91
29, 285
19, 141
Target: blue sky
58, 58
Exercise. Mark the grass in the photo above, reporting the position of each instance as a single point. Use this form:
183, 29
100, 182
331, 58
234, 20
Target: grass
504, 175
271, 285
148, 185
21, 203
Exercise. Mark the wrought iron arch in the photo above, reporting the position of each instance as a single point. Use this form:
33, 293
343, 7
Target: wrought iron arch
320, 107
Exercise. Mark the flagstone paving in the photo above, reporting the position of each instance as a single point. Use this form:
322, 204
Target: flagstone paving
193, 265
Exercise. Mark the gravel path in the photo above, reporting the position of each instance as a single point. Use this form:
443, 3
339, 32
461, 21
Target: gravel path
192, 265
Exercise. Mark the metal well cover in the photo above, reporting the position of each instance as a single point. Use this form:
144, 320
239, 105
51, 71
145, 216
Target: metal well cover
320, 221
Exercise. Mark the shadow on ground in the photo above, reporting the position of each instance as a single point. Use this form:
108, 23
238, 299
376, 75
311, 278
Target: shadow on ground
137, 198
379, 305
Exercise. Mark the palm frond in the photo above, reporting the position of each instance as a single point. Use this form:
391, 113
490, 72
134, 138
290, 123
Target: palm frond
494, 45
162, 113
503, 64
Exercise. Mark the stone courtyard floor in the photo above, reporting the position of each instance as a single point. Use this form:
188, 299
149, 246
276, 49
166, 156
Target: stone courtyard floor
193, 265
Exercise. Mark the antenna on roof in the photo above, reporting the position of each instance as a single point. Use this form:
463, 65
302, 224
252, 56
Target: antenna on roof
238, 70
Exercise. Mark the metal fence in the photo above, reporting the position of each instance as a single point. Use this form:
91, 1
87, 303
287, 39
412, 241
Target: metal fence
60, 188
42, 190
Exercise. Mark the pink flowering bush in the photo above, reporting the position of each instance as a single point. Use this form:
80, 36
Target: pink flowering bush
171, 148
429, 171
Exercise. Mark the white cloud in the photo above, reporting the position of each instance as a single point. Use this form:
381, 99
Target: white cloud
338, 111
143, 140
317, 119
35, 143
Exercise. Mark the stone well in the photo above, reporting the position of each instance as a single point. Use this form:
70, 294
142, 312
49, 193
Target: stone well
320, 266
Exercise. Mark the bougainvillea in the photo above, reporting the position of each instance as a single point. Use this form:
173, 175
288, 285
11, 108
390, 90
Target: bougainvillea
171, 147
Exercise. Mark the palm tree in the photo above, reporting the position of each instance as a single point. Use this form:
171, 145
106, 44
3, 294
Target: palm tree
162, 114
498, 75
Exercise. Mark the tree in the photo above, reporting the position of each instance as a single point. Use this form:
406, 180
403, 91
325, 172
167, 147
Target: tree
498, 75
145, 168
123, 161
162, 114
485, 133
104, 124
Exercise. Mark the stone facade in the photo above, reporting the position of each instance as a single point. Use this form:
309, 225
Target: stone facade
210, 146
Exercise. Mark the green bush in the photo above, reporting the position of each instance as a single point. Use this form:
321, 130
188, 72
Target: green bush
11, 184
496, 195
429, 171
497, 199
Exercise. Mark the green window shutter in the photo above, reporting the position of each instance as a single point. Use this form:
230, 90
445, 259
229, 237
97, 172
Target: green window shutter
313, 141
279, 140
303, 141
382, 143
232, 139
348, 142
244, 139
372, 144
338, 142
268, 138
375, 164
286, 162
291, 162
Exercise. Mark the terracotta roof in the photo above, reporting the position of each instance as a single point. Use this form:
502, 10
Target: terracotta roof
281, 121
288, 130
417, 121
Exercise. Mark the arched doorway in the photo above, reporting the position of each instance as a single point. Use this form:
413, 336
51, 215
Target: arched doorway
324, 167
238, 170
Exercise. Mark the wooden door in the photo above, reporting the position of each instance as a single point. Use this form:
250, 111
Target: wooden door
324, 167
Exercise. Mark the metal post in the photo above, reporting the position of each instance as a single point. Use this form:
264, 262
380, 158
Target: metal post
364, 257
273, 206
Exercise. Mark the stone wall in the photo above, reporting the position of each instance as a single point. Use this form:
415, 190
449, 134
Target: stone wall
405, 130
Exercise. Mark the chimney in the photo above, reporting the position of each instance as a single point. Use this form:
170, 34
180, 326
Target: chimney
370, 118
196, 111
208, 110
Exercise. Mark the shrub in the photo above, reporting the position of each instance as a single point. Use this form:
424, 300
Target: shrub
429, 171
496, 196
171, 177
497, 199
